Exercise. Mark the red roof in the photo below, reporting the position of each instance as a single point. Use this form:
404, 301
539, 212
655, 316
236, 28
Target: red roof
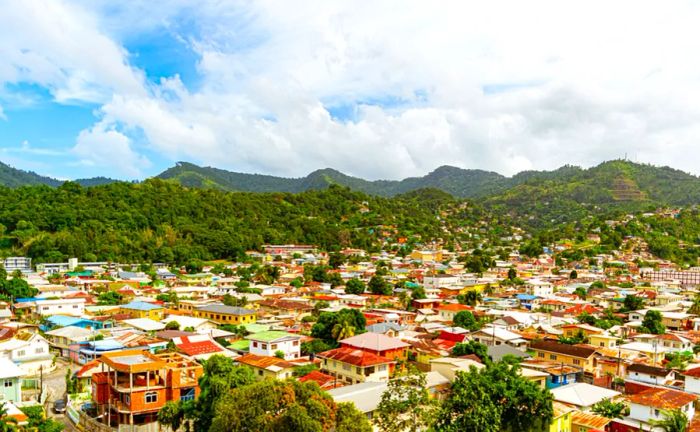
197, 348
355, 357
452, 337
324, 381
581, 308
454, 307
663, 398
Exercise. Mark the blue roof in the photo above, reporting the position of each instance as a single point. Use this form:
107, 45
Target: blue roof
525, 297
141, 305
27, 299
105, 345
62, 320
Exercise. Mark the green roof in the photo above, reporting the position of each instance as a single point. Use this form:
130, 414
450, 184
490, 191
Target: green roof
240, 345
256, 328
270, 335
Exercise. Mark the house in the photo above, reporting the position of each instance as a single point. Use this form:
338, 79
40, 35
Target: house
576, 355
675, 343
648, 405
267, 366
352, 365
200, 347
498, 336
572, 330
692, 380
325, 381
140, 309
602, 340
449, 366
268, 343
189, 322
62, 338
584, 422
379, 344
641, 372
10, 376
134, 385
144, 324
29, 351
557, 374
539, 288
561, 420
366, 396
388, 329
582, 395
67, 306
222, 314
448, 311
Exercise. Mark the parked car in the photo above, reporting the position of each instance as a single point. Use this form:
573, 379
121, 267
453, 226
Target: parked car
59, 407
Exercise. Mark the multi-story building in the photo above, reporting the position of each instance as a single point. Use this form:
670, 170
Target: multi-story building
574, 355
134, 385
268, 343
66, 306
268, 367
222, 314
352, 366
140, 309
22, 264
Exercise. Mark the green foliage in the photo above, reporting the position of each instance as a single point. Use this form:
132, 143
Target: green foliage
301, 371
610, 409
578, 338
109, 298
37, 420
328, 323
581, 292
493, 399
172, 325
678, 360
472, 347
512, 273
169, 297
652, 323
355, 286
673, 421
469, 298
632, 303
317, 346
406, 405
466, 320
273, 405
379, 285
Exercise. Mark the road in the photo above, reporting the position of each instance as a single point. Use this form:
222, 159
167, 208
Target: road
55, 383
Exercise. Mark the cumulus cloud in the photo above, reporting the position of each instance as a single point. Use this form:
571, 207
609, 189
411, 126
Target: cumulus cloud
502, 85
107, 148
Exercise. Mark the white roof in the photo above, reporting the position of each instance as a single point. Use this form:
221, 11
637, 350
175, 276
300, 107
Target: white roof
582, 394
145, 324
500, 333
643, 347
184, 321
71, 332
9, 370
366, 396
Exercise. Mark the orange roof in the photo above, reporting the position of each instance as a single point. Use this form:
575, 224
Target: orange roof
589, 420
454, 307
663, 398
355, 357
264, 362
324, 381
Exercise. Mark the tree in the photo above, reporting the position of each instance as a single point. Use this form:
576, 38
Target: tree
581, 292
495, 398
652, 323
350, 419
336, 260
466, 320
573, 274
512, 273
378, 285
279, 354
172, 325
471, 347
418, 293
673, 421
109, 298
609, 409
171, 415
695, 307
343, 330
230, 300
406, 405
324, 327
194, 266
169, 297
632, 303
285, 406
469, 298
355, 286
304, 370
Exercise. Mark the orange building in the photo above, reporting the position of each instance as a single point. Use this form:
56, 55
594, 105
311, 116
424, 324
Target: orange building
134, 385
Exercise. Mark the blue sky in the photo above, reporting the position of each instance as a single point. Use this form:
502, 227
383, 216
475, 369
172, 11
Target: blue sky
96, 87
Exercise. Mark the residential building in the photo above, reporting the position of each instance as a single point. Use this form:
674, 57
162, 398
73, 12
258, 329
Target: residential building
134, 385
582, 395
448, 311
12, 264
648, 405
576, 355
267, 366
141, 309
645, 373
379, 344
494, 336
352, 365
62, 338
268, 343
66, 306
29, 351
222, 314
11, 378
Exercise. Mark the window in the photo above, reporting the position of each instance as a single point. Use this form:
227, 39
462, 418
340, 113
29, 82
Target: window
346, 366
656, 413
260, 372
187, 394
540, 355
296, 343
381, 368
552, 357
75, 306
255, 344
8, 383
274, 346
264, 346
20, 353
151, 397
577, 361
39, 350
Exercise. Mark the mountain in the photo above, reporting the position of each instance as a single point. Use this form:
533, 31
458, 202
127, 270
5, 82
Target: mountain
13, 177
455, 181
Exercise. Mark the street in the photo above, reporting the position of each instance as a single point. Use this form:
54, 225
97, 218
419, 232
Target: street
55, 383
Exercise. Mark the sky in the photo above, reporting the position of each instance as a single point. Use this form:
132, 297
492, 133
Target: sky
376, 89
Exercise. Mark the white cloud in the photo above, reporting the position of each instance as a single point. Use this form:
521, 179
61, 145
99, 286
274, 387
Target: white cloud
503, 85
103, 148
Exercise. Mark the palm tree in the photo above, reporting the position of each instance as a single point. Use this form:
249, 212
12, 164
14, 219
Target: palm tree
343, 330
674, 421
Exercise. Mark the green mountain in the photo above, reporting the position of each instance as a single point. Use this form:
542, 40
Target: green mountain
456, 181
13, 177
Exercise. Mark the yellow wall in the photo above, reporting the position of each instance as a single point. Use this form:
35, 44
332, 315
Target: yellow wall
345, 370
561, 423
154, 314
567, 360
225, 318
